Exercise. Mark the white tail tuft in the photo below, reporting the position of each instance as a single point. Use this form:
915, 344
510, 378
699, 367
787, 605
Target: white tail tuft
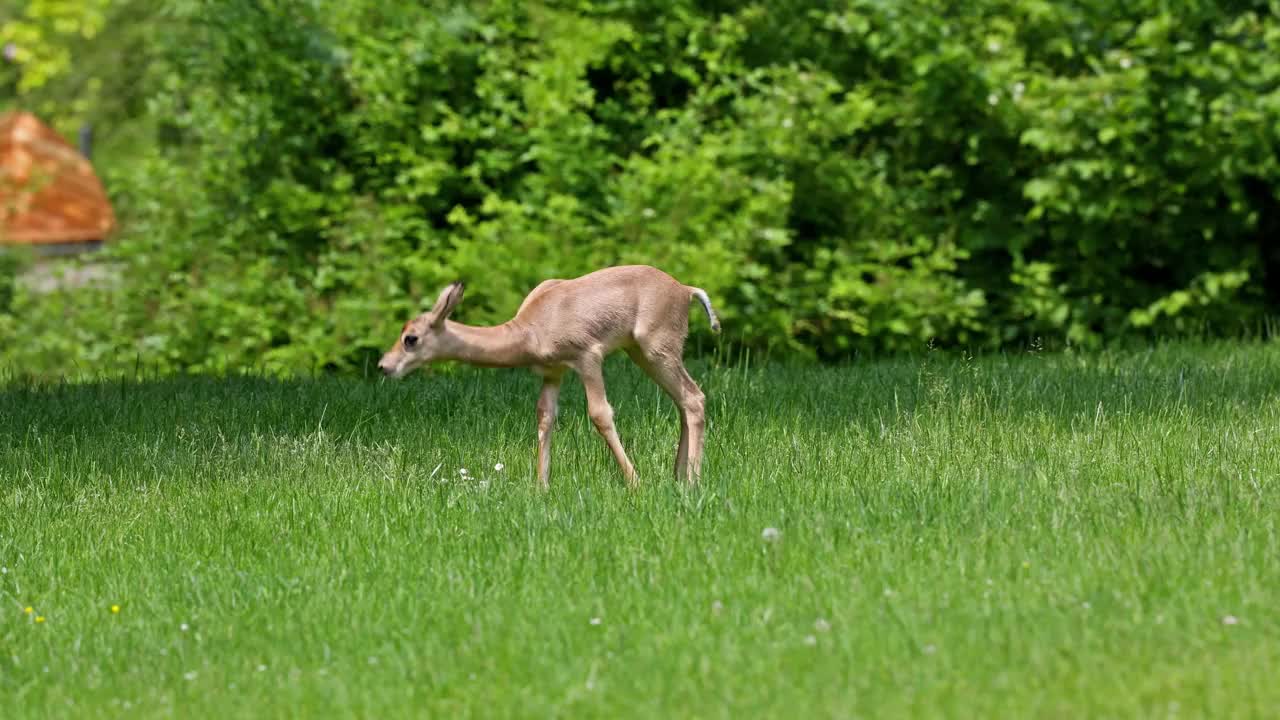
706, 305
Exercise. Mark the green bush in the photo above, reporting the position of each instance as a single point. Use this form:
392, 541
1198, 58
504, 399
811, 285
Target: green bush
12, 263
858, 176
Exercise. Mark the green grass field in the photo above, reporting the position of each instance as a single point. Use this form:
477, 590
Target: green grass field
1016, 536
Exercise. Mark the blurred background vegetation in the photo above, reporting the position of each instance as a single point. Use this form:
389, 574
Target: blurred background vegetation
294, 178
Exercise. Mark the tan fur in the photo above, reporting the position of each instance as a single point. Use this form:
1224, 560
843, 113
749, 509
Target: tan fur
573, 324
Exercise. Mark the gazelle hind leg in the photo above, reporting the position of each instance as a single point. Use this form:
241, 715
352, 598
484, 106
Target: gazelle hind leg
672, 390
696, 418
668, 371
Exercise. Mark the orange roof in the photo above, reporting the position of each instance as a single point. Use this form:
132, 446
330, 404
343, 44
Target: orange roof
48, 191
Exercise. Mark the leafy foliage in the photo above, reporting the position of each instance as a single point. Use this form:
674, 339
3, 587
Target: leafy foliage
841, 177
39, 32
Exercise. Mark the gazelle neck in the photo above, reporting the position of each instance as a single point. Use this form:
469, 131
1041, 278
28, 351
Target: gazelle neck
498, 346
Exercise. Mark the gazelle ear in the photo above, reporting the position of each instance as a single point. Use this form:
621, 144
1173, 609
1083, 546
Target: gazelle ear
448, 300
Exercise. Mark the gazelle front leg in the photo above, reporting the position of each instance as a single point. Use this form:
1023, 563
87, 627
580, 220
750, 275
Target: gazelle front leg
548, 402
601, 414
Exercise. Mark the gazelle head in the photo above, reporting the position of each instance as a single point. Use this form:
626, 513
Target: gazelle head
424, 338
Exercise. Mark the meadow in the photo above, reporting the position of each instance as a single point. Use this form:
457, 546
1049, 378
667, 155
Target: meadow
1020, 535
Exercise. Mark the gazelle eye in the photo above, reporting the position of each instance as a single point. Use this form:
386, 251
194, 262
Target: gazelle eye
410, 340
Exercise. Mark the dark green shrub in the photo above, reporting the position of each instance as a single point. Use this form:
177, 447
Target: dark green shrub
841, 177
12, 262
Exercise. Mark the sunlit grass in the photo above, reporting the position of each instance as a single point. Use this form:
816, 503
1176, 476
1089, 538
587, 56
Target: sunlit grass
1016, 536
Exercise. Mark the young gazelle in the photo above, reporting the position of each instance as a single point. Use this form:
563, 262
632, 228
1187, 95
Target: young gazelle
572, 325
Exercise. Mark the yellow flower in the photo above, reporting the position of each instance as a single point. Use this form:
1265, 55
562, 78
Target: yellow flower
115, 608
28, 610
39, 618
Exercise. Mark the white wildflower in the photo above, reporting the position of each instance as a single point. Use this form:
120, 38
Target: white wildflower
596, 621
184, 627
190, 675
498, 467
648, 212
821, 625
717, 607
810, 640
770, 534
993, 99
1230, 620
